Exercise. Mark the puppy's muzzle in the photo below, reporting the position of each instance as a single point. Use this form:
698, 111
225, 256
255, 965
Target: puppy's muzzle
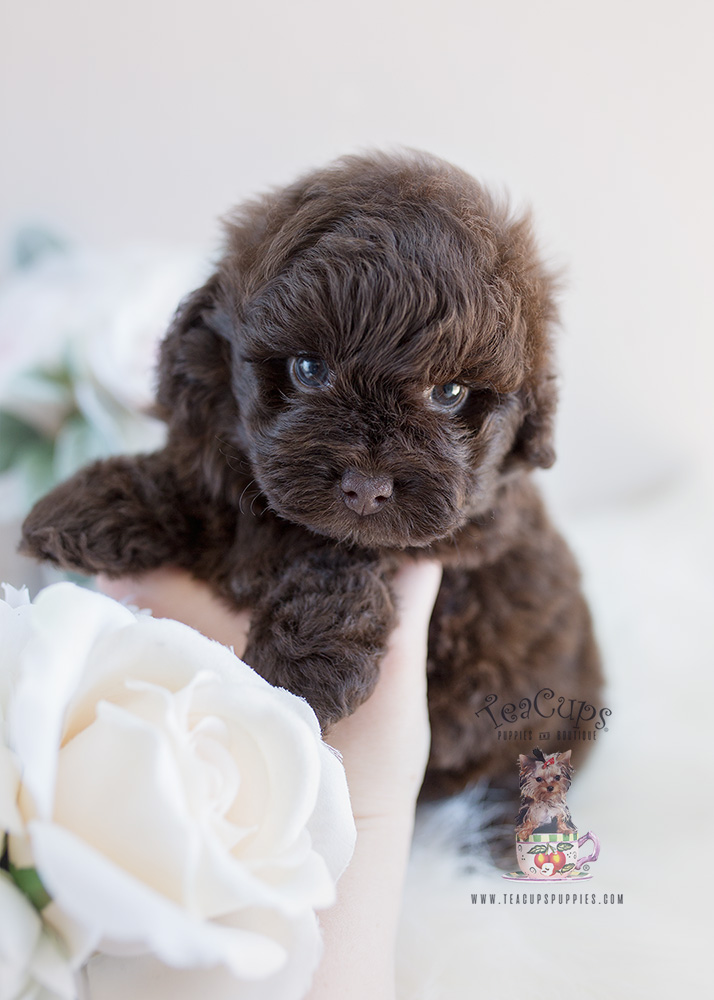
366, 494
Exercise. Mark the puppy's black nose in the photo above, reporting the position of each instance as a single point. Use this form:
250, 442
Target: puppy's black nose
550, 788
366, 494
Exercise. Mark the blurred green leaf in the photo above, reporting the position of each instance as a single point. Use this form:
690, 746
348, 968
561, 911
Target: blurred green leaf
101, 412
35, 467
77, 443
28, 882
16, 437
33, 243
42, 399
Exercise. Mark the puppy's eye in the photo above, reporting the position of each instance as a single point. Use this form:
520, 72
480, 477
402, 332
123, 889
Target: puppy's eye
309, 373
539, 779
449, 396
556, 778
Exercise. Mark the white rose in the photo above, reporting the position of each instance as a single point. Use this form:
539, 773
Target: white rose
15, 631
113, 308
149, 285
175, 804
33, 963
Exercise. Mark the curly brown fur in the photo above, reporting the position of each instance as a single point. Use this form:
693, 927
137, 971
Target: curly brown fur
397, 274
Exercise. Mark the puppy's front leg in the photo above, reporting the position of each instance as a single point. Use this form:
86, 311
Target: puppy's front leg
118, 516
322, 629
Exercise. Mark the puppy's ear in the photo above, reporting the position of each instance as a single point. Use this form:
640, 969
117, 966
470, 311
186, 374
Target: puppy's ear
530, 296
538, 315
534, 441
195, 363
194, 393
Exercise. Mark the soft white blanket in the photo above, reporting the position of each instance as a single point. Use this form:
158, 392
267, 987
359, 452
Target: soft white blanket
646, 791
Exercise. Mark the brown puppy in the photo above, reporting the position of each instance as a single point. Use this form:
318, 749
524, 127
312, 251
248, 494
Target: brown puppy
367, 374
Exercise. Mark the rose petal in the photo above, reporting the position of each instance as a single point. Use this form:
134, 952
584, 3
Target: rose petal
10, 818
20, 926
15, 598
134, 812
101, 896
280, 799
51, 969
132, 808
145, 978
31, 957
51, 671
155, 651
331, 825
16, 617
79, 941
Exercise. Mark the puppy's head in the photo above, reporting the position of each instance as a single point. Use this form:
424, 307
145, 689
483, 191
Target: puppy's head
545, 778
374, 351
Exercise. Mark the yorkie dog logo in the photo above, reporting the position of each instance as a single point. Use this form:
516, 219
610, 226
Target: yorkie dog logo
547, 842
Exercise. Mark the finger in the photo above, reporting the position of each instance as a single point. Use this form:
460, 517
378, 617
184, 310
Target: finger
174, 593
416, 586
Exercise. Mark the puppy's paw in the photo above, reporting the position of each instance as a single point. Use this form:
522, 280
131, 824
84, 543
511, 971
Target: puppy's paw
117, 516
334, 686
322, 631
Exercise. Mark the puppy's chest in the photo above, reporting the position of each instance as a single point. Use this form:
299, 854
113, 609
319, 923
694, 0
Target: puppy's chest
264, 553
541, 812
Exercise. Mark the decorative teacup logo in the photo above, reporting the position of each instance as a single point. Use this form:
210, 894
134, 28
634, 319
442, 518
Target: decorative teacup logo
554, 856
547, 842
